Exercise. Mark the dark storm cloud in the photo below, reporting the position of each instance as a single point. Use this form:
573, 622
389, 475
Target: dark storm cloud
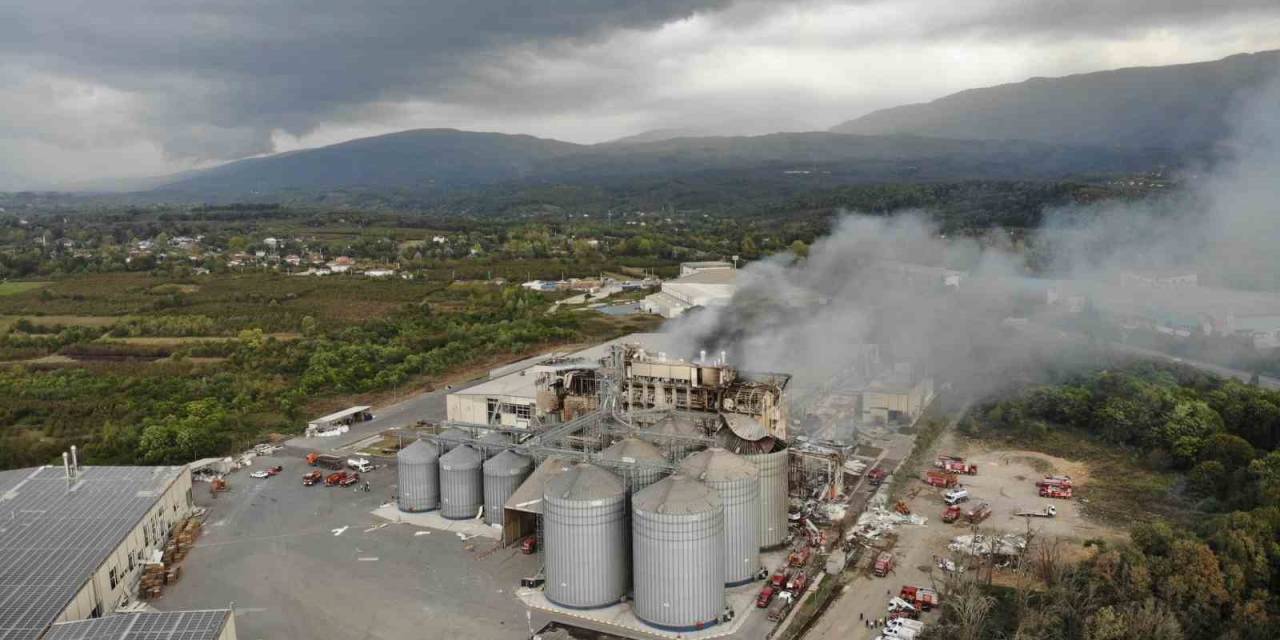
1098, 17
100, 87
217, 76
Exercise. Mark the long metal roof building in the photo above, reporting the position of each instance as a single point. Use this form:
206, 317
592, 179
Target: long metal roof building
55, 533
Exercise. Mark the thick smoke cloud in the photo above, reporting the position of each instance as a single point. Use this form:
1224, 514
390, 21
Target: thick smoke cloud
1223, 224
812, 317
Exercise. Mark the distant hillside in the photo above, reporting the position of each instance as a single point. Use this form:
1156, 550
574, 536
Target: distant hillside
1177, 107
658, 135
444, 160
425, 159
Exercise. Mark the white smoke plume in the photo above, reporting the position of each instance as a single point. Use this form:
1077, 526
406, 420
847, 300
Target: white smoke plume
813, 317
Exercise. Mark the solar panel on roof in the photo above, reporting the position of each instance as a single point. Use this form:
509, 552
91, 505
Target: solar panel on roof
54, 534
172, 625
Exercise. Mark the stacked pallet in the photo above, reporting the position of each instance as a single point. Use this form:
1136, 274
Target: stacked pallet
167, 571
153, 581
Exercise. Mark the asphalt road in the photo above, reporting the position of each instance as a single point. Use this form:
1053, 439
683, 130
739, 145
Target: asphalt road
311, 562
427, 405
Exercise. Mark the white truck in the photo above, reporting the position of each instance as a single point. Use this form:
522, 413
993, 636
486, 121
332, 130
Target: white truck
901, 633
1048, 511
914, 625
360, 464
956, 496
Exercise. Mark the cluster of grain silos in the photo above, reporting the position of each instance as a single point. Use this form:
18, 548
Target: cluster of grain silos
637, 462
737, 482
586, 553
503, 474
678, 539
418, 473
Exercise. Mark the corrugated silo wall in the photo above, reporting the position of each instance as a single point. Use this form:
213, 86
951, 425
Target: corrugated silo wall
586, 551
500, 481
419, 487
461, 492
679, 568
741, 498
773, 496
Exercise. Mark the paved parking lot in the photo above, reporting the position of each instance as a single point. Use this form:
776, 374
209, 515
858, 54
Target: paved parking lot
311, 562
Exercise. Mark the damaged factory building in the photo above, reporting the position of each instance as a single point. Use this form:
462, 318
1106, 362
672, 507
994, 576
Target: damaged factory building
647, 475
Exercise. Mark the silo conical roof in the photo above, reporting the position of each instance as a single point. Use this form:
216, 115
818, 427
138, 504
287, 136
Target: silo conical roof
632, 450
508, 463
417, 452
584, 482
461, 457
677, 494
718, 465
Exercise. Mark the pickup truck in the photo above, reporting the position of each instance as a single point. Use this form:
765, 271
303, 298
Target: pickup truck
781, 605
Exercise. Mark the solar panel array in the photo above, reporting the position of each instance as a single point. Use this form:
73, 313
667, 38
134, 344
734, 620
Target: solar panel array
55, 534
176, 625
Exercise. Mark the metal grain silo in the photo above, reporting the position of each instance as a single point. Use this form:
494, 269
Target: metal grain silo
417, 472
774, 499
677, 534
738, 483
637, 462
503, 474
677, 435
771, 458
586, 552
493, 442
450, 438
461, 485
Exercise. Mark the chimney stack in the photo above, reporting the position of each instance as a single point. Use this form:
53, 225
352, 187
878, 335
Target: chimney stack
75, 464
66, 464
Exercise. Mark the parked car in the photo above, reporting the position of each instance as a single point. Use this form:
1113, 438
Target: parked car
260, 474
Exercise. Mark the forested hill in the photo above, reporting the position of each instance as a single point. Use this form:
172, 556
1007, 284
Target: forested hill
439, 161
1186, 106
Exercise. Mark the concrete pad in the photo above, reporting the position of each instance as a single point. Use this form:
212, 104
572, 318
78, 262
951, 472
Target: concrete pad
433, 520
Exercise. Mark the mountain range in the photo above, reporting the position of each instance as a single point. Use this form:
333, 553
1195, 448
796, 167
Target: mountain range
1178, 107
1117, 121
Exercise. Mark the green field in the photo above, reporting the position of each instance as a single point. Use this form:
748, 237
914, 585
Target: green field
12, 288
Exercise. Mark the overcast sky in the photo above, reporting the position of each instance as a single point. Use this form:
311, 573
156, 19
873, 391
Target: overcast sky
107, 88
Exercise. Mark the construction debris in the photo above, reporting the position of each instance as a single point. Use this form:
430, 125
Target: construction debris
1008, 545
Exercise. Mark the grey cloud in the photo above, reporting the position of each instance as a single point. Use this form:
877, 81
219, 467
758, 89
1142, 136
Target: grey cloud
218, 76
212, 79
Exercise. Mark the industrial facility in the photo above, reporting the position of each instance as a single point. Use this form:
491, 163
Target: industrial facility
76, 545
701, 284
656, 488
